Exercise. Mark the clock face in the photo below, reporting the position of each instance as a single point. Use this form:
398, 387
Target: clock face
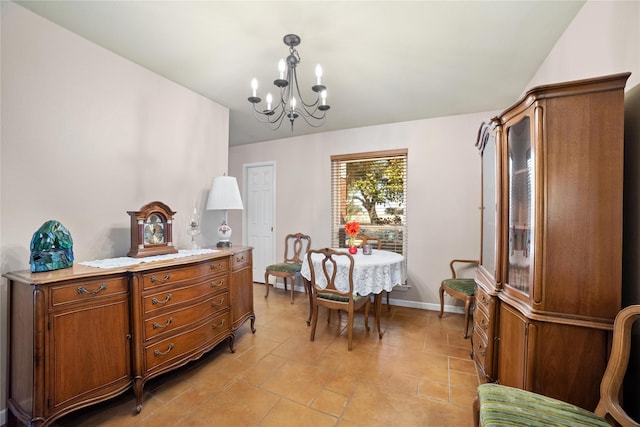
154, 230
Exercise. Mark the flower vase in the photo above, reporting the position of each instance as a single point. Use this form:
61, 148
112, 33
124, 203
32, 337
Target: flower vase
352, 246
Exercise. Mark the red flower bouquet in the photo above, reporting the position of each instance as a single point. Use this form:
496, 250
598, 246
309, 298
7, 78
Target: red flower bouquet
352, 229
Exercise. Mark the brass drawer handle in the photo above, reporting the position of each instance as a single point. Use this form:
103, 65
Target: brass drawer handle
163, 353
217, 304
156, 325
216, 284
240, 258
156, 301
215, 266
214, 326
155, 279
83, 290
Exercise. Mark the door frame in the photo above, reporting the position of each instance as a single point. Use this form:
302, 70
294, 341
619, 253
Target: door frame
245, 174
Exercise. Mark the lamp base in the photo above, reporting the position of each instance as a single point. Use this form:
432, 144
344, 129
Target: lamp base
221, 244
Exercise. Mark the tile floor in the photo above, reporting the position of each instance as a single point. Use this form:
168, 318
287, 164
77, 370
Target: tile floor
419, 374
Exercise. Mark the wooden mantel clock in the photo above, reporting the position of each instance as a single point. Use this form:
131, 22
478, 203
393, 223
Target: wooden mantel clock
152, 230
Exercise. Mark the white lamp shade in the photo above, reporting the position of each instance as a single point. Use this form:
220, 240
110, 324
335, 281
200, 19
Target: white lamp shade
224, 194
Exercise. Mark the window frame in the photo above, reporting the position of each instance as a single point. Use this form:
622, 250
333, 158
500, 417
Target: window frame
339, 202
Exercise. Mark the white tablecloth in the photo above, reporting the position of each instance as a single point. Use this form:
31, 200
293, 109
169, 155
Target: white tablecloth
372, 274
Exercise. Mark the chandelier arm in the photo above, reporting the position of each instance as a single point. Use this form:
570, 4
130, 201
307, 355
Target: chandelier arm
263, 117
313, 125
302, 101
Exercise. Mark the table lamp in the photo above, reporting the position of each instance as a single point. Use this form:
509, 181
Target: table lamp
224, 195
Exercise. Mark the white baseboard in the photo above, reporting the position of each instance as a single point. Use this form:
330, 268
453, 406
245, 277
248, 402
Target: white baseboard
400, 302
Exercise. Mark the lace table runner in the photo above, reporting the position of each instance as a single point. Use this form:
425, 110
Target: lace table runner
127, 261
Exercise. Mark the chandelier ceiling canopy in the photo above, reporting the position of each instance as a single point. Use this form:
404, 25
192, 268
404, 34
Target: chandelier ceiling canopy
291, 103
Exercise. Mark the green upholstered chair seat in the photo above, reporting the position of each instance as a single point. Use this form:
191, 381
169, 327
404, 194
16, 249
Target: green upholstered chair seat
464, 286
507, 406
340, 298
286, 267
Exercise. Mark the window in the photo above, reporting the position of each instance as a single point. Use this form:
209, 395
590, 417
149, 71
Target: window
370, 188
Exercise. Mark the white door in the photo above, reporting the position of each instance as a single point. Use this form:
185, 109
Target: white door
259, 179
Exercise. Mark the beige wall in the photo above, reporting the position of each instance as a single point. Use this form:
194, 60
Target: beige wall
603, 38
443, 190
88, 135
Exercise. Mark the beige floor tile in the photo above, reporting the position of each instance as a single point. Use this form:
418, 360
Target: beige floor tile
419, 374
292, 414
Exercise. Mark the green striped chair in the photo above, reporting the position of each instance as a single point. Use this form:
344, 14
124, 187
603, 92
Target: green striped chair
333, 298
295, 247
459, 288
499, 405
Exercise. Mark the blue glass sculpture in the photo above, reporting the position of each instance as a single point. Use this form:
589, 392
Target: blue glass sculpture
51, 247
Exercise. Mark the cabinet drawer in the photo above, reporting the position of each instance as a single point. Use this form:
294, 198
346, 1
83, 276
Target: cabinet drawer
176, 296
479, 349
172, 321
89, 290
481, 322
240, 260
175, 275
173, 349
483, 300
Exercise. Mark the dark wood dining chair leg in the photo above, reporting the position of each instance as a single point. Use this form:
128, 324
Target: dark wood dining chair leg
441, 301
467, 310
266, 284
378, 303
307, 286
388, 306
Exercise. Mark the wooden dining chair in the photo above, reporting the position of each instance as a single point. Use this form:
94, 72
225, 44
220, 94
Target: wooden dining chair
376, 242
330, 296
499, 405
459, 288
295, 247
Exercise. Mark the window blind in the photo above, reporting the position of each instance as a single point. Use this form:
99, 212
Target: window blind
370, 188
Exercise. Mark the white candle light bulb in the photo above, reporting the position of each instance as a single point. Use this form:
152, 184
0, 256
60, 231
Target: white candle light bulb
293, 103
269, 100
281, 68
323, 96
254, 87
318, 74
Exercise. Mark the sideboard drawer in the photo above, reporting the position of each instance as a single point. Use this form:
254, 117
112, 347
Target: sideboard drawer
173, 349
176, 296
89, 290
173, 321
240, 260
176, 275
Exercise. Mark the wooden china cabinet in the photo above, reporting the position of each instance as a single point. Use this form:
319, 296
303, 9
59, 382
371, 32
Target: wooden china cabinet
556, 287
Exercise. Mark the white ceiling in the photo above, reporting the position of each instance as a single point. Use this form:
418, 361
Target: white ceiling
383, 61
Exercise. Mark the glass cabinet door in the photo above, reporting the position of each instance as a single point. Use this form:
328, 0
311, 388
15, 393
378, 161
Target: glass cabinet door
521, 205
487, 142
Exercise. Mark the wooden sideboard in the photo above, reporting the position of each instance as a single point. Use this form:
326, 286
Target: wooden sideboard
82, 335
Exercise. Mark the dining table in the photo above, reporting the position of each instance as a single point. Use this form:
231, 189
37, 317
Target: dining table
372, 275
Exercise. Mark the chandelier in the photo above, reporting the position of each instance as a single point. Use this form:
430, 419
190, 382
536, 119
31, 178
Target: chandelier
291, 103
